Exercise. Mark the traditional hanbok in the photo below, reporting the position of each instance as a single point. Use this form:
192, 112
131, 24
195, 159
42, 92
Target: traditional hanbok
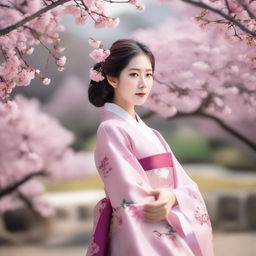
133, 159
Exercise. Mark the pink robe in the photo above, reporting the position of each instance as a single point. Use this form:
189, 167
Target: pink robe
125, 150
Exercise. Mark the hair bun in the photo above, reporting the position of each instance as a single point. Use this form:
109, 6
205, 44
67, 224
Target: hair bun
121, 52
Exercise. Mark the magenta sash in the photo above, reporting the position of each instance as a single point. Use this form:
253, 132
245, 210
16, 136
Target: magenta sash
156, 161
101, 232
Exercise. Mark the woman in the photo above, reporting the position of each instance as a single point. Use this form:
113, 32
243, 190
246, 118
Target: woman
151, 207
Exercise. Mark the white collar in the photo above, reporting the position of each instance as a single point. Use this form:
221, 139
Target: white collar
146, 131
109, 106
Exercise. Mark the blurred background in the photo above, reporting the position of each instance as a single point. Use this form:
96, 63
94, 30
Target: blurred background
223, 167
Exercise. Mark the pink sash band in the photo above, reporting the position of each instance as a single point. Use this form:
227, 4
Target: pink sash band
101, 233
156, 161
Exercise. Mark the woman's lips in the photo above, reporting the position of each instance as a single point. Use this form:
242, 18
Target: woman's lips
141, 94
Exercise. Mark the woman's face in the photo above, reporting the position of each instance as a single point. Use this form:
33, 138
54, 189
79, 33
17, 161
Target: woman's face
134, 83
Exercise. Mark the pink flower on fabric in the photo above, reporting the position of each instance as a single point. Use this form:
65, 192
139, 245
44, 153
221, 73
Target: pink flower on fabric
99, 55
104, 167
135, 212
117, 218
96, 75
98, 209
103, 204
93, 248
193, 194
202, 216
167, 232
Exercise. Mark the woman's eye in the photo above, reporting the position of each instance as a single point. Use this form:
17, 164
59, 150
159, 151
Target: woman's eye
149, 75
134, 74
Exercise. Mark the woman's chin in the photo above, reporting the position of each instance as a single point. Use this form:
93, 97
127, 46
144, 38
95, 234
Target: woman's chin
140, 103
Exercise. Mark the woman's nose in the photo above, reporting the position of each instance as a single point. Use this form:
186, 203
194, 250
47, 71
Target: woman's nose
142, 82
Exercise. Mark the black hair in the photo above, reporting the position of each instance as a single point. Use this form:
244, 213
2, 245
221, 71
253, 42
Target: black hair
121, 52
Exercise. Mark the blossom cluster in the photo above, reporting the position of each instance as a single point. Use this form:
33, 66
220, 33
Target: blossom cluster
40, 26
198, 71
33, 144
98, 55
242, 11
234, 19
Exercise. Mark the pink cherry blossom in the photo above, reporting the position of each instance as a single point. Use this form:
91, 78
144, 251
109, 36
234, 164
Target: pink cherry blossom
141, 7
135, 2
60, 68
81, 20
112, 23
32, 142
46, 81
95, 75
43, 29
94, 43
99, 55
103, 22
61, 61
236, 24
197, 70
60, 49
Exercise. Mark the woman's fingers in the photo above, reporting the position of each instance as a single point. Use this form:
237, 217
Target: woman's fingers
156, 214
155, 193
155, 204
159, 209
163, 210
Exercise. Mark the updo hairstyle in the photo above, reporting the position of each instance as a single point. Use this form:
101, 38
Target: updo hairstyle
121, 52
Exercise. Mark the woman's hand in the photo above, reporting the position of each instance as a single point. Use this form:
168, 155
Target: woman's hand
159, 209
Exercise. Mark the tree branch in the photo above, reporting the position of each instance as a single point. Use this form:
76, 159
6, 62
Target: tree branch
13, 187
223, 125
31, 17
221, 13
25, 200
5, 6
246, 8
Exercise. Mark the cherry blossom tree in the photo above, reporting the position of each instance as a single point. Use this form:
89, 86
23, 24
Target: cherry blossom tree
236, 19
35, 145
201, 74
25, 23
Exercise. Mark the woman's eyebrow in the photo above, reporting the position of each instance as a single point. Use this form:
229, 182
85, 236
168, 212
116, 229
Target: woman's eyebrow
138, 69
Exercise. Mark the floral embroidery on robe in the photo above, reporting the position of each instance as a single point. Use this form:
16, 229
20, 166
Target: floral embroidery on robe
93, 248
121, 142
104, 167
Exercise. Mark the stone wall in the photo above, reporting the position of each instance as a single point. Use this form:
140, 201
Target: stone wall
229, 210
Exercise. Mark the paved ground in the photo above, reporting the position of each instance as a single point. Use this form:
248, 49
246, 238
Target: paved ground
226, 244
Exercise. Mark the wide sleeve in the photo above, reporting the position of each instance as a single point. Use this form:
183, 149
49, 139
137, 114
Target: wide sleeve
189, 198
123, 177
190, 212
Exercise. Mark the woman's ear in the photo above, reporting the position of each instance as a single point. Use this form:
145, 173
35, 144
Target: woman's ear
112, 81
